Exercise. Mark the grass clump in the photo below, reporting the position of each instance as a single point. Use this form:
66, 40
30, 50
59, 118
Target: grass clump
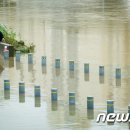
10, 38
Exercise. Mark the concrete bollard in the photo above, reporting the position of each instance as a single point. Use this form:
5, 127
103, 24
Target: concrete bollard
90, 103
57, 63
101, 70
110, 106
6, 54
21, 87
71, 65
72, 98
30, 58
86, 68
54, 95
118, 73
43, 61
18, 55
37, 92
6, 84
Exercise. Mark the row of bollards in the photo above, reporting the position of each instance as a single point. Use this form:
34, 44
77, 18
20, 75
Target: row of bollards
58, 64
54, 96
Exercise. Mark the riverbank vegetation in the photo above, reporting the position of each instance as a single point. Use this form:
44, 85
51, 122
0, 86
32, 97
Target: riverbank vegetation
10, 38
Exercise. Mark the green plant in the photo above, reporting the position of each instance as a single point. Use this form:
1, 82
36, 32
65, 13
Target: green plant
10, 38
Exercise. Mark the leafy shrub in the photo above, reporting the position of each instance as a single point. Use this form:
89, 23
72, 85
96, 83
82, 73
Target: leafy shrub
10, 38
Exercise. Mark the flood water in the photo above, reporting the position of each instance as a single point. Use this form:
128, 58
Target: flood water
84, 31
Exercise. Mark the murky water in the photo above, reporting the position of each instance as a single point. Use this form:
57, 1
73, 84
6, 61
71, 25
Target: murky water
86, 31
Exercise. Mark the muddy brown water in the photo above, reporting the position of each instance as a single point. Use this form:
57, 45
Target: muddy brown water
85, 31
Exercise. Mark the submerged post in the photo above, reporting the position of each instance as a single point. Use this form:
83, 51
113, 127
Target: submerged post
30, 58
18, 55
72, 98
54, 94
43, 61
86, 68
71, 65
6, 84
118, 73
90, 103
6, 54
110, 106
57, 63
37, 92
101, 70
21, 87
129, 109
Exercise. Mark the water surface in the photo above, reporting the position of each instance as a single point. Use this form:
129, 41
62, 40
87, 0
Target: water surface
85, 31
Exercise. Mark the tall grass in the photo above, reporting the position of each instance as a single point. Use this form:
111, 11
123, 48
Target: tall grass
10, 38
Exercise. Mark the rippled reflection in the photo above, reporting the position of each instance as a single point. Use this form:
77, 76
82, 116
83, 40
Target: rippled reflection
94, 32
7, 94
21, 98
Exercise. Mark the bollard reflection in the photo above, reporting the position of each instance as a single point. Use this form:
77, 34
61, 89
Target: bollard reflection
30, 67
6, 94
17, 65
57, 71
37, 101
11, 62
6, 63
101, 79
118, 82
44, 70
71, 74
54, 105
129, 125
22, 98
110, 123
72, 110
90, 114
86, 76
